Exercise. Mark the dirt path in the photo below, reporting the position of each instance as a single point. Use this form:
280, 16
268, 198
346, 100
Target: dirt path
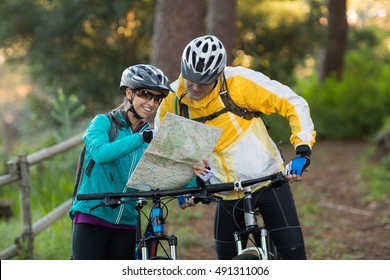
337, 221
351, 227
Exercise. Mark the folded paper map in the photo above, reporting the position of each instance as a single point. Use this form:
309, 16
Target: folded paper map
178, 144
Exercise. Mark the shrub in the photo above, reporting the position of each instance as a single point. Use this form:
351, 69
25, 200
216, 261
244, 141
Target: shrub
354, 107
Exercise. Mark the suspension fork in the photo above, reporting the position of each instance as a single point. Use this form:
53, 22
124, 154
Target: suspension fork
260, 234
157, 222
250, 219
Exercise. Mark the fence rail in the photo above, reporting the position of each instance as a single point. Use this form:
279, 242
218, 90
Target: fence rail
19, 172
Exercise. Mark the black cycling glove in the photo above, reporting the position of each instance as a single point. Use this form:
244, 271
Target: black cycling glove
147, 135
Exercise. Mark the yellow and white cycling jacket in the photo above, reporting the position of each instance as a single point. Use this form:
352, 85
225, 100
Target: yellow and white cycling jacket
245, 149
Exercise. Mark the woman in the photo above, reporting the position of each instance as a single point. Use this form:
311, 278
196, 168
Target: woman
110, 232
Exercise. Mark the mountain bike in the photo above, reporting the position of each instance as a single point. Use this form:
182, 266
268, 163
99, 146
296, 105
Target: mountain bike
154, 235
261, 245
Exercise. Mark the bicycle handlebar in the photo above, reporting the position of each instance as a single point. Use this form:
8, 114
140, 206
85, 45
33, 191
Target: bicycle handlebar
277, 179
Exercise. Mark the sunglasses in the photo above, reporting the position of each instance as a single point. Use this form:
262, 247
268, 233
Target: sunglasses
147, 95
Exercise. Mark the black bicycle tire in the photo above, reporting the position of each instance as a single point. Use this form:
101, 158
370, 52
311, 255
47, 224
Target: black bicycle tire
160, 258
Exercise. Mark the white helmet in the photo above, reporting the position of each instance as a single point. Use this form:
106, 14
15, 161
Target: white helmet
203, 59
145, 76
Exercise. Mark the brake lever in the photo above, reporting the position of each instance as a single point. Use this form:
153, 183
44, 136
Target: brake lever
278, 180
101, 204
206, 199
108, 201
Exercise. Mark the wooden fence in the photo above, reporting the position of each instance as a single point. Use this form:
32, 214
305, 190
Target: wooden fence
19, 172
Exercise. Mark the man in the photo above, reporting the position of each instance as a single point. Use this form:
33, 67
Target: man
232, 98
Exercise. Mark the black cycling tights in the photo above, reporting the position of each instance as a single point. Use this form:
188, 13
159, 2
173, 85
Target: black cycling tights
280, 218
90, 242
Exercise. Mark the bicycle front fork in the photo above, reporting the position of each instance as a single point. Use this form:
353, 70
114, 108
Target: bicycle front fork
260, 234
261, 250
157, 222
172, 242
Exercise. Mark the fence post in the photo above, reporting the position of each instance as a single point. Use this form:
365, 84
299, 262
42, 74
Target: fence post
27, 239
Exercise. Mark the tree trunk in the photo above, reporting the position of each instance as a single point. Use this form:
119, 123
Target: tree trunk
177, 22
336, 41
221, 22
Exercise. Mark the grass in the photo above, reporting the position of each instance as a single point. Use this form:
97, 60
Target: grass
55, 242
50, 186
51, 244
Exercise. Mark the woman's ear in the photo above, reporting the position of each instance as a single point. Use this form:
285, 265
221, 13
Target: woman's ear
129, 93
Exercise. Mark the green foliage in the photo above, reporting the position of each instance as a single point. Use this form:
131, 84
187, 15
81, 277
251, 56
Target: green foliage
66, 110
378, 178
9, 229
279, 128
91, 42
79, 46
63, 113
376, 168
354, 107
55, 242
276, 42
37, 107
51, 185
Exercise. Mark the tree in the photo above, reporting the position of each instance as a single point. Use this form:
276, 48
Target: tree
275, 37
79, 46
176, 23
221, 22
336, 42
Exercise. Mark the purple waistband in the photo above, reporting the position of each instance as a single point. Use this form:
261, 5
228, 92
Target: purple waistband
83, 218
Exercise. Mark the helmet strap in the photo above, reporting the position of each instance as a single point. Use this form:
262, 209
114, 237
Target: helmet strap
132, 109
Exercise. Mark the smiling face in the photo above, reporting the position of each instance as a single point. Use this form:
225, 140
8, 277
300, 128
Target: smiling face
145, 101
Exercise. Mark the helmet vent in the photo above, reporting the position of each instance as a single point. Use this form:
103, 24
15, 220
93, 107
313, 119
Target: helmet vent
200, 65
205, 48
219, 59
193, 56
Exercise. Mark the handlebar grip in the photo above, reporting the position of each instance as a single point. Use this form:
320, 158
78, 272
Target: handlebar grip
92, 196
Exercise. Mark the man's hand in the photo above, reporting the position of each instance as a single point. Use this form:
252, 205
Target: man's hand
203, 173
297, 165
203, 176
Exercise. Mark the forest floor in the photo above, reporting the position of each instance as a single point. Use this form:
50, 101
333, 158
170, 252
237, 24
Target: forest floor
337, 220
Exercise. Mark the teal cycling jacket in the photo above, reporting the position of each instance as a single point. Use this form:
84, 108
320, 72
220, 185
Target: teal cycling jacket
114, 163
